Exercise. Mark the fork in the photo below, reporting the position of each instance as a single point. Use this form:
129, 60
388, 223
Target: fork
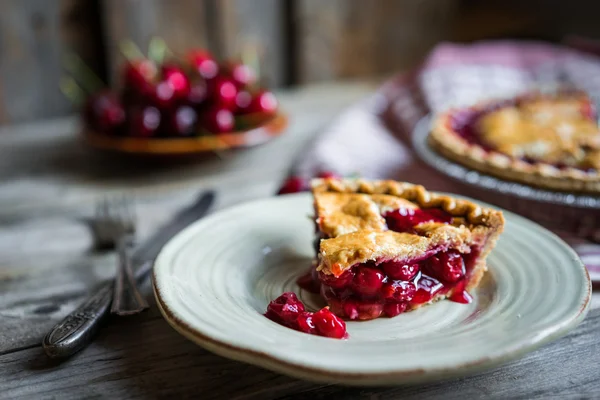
115, 224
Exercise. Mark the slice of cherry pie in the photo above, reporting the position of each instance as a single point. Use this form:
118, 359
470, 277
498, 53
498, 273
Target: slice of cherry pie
546, 140
385, 247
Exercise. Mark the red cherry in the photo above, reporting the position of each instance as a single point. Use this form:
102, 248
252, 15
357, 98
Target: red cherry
328, 175
399, 290
223, 92
405, 219
305, 323
368, 281
362, 310
198, 94
243, 100
139, 75
143, 121
448, 266
241, 74
164, 94
337, 283
293, 184
218, 120
183, 121
285, 309
328, 324
393, 309
263, 102
176, 77
104, 112
427, 288
204, 63
400, 271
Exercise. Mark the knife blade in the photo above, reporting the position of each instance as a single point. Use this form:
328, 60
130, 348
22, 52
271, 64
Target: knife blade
77, 329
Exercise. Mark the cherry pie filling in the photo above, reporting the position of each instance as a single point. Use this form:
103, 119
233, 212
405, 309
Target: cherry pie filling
466, 124
391, 286
288, 311
369, 290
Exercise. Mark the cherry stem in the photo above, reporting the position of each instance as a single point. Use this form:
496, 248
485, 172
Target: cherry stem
130, 50
71, 90
250, 57
157, 50
88, 78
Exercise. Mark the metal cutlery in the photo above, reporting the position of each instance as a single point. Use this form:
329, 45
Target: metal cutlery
114, 224
77, 329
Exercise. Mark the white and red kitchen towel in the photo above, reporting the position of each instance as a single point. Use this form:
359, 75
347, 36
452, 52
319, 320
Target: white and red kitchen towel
370, 138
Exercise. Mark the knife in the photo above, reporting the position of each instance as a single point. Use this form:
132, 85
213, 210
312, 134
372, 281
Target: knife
78, 328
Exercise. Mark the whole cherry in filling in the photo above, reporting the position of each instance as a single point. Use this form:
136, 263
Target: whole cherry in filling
405, 219
367, 291
400, 291
288, 310
400, 270
341, 281
368, 281
449, 266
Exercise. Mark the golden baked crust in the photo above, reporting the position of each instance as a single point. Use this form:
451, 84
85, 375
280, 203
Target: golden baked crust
348, 213
556, 133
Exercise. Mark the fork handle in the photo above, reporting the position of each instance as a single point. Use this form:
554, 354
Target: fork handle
78, 328
127, 299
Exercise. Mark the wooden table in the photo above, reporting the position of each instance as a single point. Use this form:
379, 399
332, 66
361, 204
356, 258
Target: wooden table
49, 183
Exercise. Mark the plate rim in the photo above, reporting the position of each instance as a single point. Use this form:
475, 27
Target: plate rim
394, 377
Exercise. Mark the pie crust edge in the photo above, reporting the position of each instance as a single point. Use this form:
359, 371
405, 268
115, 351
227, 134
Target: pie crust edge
452, 146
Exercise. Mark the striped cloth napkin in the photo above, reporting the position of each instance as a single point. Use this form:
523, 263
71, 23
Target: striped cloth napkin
372, 137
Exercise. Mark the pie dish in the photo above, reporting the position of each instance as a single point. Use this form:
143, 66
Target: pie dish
546, 140
385, 247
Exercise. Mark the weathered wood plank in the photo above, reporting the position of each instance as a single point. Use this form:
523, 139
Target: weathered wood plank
343, 39
225, 27
181, 23
48, 264
261, 25
36, 34
143, 357
479, 19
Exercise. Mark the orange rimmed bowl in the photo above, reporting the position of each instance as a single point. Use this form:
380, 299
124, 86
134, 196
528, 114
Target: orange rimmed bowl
254, 135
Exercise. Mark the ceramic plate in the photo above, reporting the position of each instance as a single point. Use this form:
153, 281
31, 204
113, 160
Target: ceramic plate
214, 280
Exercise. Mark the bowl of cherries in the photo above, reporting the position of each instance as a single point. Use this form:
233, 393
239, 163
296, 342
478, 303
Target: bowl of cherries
189, 105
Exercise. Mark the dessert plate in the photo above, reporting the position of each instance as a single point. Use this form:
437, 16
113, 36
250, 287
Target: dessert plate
214, 280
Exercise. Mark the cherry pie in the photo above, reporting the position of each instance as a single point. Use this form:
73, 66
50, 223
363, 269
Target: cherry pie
546, 140
386, 247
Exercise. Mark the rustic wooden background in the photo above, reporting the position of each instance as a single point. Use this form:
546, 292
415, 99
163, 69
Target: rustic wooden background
300, 41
